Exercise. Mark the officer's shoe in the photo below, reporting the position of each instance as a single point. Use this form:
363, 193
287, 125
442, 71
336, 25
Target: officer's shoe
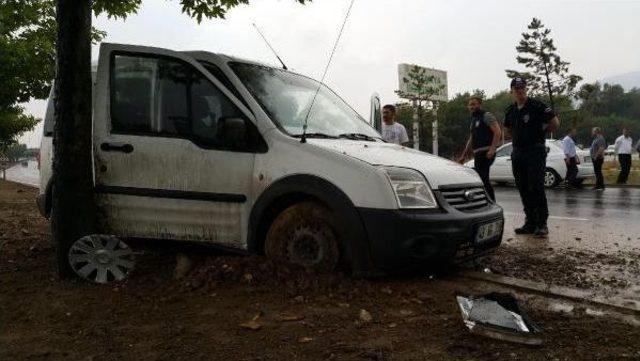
526, 229
541, 231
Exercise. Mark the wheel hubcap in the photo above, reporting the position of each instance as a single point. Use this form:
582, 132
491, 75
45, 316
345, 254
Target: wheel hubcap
101, 258
549, 178
305, 247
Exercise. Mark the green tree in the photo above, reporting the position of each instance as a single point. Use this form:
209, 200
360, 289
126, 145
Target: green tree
13, 123
15, 152
27, 61
74, 208
547, 72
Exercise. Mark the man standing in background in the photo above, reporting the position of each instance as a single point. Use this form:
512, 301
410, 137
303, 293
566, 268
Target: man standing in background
623, 148
483, 139
598, 145
570, 158
392, 131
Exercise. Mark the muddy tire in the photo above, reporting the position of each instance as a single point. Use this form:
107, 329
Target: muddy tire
304, 234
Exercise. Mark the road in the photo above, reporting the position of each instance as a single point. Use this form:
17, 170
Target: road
25, 175
583, 219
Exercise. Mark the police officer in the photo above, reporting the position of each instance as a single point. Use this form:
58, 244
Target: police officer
528, 120
484, 137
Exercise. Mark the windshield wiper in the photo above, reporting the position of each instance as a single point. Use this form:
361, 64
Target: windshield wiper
357, 136
317, 135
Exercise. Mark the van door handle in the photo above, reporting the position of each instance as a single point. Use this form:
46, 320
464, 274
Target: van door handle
116, 147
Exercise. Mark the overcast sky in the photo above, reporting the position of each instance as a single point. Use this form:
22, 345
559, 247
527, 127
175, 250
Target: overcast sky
474, 41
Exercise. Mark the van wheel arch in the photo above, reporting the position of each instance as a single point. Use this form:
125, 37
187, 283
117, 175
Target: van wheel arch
304, 188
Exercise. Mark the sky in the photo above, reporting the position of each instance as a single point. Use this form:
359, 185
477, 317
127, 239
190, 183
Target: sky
474, 41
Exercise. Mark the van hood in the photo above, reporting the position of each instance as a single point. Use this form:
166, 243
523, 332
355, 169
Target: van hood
438, 171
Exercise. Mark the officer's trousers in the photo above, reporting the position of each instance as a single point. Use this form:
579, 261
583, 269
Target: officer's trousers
528, 165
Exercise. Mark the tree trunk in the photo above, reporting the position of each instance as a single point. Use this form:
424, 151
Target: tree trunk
73, 202
549, 89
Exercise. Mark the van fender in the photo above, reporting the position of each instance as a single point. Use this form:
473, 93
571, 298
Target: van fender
297, 188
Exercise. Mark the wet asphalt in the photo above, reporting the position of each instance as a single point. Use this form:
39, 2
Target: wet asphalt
607, 221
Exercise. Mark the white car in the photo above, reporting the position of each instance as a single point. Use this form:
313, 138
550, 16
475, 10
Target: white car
556, 169
197, 146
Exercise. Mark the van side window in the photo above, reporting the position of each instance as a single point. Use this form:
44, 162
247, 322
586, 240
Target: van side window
163, 97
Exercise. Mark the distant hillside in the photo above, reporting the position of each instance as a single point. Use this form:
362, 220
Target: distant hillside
627, 80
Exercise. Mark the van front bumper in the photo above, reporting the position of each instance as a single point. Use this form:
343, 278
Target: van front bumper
400, 239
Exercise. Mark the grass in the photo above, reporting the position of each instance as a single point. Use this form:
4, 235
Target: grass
611, 169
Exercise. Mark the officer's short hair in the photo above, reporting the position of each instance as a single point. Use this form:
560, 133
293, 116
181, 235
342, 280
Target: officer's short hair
597, 130
476, 98
390, 107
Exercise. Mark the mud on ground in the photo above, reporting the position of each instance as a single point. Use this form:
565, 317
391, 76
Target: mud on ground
246, 308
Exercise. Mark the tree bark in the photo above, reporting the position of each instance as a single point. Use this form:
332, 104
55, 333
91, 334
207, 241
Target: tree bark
73, 202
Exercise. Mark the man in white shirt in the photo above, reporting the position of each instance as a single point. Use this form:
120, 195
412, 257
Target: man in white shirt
570, 158
623, 148
392, 131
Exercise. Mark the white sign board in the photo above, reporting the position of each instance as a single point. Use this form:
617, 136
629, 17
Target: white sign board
440, 77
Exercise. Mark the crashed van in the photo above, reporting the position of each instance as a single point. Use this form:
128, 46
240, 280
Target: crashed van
202, 147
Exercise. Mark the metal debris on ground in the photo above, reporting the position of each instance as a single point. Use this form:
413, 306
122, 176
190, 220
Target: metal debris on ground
497, 315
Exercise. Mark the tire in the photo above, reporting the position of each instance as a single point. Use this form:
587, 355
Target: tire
305, 235
551, 178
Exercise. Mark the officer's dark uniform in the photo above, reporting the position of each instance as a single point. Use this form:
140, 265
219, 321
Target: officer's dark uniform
528, 126
482, 137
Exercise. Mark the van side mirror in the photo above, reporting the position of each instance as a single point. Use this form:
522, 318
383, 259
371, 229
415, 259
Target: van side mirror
233, 132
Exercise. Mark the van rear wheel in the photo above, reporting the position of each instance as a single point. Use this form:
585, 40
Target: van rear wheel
304, 234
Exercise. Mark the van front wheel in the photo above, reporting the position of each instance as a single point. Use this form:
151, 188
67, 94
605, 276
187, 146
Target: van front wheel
304, 234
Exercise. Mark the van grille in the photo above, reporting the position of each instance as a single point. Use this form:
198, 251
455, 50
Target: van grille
466, 199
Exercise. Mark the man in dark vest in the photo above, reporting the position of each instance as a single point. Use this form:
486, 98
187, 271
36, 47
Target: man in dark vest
484, 136
528, 120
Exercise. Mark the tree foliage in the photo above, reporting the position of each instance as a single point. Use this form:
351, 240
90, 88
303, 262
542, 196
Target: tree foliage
27, 61
13, 123
546, 72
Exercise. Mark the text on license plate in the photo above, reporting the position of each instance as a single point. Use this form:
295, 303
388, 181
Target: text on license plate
488, 231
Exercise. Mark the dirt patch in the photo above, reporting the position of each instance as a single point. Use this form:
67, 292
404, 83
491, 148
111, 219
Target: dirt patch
248, 308
569, 268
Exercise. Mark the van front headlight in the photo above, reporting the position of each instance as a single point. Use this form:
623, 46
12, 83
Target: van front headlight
410, 187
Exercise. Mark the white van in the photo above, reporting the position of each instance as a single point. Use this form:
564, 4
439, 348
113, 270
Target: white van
196, 146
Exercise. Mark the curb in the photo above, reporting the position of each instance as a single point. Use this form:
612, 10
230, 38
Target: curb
622, 306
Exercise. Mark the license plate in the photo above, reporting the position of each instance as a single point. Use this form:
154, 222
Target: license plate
488, 231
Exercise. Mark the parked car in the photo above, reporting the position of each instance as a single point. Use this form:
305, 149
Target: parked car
197, 146
556, 169
611, 150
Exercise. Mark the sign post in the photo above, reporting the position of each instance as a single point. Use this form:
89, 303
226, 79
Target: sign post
435, 127
420, 84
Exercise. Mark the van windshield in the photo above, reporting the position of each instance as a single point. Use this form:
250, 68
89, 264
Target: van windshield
286, 98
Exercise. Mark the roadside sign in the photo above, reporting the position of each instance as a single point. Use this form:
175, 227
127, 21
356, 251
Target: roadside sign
440, 77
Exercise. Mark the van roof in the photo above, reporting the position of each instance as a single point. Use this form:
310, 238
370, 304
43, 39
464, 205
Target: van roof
200, 55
